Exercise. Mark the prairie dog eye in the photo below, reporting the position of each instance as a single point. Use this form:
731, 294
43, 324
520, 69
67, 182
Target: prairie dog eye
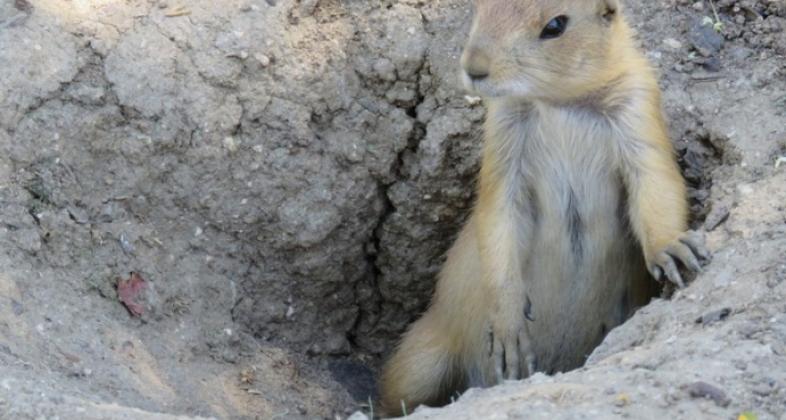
555, 27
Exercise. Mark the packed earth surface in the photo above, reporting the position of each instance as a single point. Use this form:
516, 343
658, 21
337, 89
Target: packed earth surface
232, 210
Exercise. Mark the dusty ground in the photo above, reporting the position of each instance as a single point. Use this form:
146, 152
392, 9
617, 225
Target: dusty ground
285, 176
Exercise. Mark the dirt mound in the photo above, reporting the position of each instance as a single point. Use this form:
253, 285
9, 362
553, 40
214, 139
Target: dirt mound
284, 177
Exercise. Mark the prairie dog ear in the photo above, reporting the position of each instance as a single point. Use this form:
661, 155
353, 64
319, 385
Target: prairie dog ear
609, 9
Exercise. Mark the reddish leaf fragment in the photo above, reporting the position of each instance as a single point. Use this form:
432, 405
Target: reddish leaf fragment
128, 292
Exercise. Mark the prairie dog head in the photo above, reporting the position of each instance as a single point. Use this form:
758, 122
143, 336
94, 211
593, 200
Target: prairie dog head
540, 49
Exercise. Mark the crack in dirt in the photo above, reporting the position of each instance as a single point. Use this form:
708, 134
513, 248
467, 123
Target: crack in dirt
373, 249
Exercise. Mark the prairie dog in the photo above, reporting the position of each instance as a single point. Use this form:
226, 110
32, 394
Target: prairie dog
580, 203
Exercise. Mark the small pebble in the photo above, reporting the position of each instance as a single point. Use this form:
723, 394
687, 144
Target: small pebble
473, 100
705, 39
230, 144
712, 64
717, 216
672, 43
711, 392
125, 244
358, 416
715, 316
78, 215
263, 60
762, 390
622, 400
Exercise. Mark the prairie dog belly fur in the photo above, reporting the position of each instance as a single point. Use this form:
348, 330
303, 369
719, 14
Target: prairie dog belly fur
582, 259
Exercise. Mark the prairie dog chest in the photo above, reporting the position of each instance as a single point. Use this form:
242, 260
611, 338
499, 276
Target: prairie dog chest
572, 145
572, 178
563, 159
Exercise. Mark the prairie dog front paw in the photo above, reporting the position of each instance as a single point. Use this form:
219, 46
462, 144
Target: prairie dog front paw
688, 249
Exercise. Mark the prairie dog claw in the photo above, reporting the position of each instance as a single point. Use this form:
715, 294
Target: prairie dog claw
687, 250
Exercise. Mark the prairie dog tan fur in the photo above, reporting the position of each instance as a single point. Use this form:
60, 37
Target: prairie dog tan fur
580, 203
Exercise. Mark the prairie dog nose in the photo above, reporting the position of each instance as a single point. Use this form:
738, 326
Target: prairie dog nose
476, 63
